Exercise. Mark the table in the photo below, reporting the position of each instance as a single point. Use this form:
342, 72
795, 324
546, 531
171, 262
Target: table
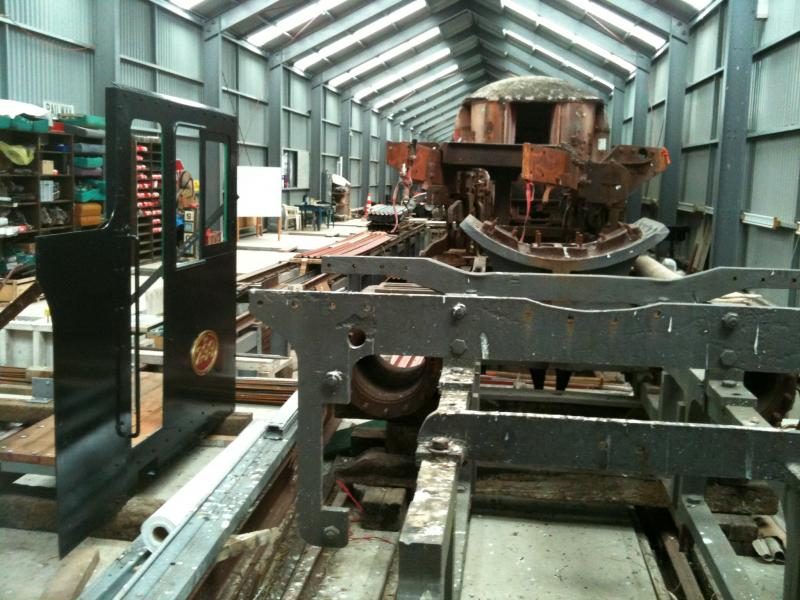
318, 211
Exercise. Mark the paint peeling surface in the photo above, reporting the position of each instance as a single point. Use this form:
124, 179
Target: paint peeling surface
533, 88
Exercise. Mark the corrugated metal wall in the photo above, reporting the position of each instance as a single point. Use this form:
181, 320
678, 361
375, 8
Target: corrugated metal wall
56, 65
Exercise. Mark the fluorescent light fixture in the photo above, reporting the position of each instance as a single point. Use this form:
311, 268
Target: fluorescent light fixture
612, 18
357, 36
420, 85
568, 35
698, 4
383, 58
186, 4
555, 57
403, 73
292, 21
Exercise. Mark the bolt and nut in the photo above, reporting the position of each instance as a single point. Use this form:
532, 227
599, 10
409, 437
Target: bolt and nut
730, 320
459, 311
440, 443
333, 379
458, 347
727, 358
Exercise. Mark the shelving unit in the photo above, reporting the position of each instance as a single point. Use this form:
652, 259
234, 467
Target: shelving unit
149, 184
26, 185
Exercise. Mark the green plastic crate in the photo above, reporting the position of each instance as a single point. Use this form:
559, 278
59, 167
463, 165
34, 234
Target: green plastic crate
88, 195
93, 121
40, 125
21, 124
5, 122
88, 162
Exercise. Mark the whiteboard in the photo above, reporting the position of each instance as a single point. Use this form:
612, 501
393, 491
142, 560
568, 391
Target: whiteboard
260, 191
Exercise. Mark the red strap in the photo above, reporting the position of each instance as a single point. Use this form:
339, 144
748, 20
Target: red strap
528, 202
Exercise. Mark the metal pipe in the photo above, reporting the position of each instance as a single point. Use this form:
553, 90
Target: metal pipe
646, 266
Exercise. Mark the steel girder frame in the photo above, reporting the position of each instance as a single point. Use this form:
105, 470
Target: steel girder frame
458, 79
730, 168
458, 45
575, 27
417, 103
243, 11
472, 62
633, 208
338, 28
464, 327
604, 27
670, 186
457, 94
494, 23
451, 21
432, 119
644, 13
524, 57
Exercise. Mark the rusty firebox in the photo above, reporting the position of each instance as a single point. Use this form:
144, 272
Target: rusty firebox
531, 179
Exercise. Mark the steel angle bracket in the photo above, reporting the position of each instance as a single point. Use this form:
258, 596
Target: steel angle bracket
332, 331
566, 288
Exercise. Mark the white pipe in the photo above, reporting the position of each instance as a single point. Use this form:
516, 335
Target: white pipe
183, 504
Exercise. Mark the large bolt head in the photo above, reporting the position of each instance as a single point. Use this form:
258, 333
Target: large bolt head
459, 311
458, 347
440, 443
333, 379
727, 358
730, 320
331, 533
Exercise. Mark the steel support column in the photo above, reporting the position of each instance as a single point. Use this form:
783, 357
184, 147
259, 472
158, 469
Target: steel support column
617, 115
106, 54
275, 116
639, 138
366, 138
673, 122
315, 160
345, 135
212, 64
730, 169
382, 124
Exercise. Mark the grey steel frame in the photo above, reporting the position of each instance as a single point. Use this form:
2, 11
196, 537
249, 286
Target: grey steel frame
703, 349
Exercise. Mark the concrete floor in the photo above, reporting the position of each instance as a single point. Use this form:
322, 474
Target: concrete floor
29, 559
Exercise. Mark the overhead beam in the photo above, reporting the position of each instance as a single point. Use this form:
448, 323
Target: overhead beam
642, 13
460, 45
333, 31
526, 59
424, 121
442, 86
457, 93
243, 11
494, 23
461, 20
574, 27
604, 27
730, 168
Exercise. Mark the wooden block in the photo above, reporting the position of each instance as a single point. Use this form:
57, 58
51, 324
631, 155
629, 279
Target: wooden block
15, 410
73, 574
14, 287
383, 508
234, 423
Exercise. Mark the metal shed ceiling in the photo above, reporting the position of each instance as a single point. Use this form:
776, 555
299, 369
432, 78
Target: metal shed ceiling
394, 55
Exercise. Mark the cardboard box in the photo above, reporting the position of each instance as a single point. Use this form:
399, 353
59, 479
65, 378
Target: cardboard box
48, 166
14, 287
88, 209
85, 221
47, 191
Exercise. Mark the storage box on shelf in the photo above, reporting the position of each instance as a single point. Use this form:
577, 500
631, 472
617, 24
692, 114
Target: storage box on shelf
149, 174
